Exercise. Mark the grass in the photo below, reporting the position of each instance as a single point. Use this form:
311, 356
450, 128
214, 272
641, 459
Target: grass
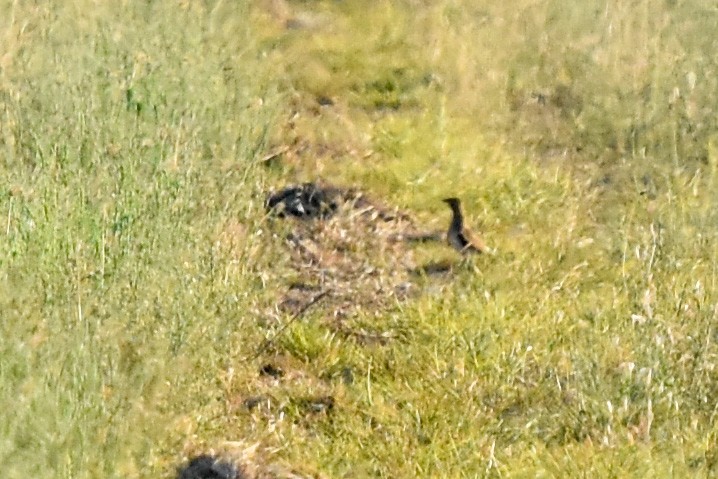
139, 275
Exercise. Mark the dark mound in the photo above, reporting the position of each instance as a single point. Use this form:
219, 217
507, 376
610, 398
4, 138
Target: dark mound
208, 467
303, 201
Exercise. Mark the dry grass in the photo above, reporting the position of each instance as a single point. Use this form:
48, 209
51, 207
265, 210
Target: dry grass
150, 303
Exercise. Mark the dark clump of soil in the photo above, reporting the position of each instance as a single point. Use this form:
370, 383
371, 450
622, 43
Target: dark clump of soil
209, 467
271, 370
303, 201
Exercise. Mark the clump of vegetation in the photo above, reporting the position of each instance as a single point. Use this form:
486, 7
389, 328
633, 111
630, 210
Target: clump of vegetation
143, 288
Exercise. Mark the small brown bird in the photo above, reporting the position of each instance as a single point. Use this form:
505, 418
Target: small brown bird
461, 239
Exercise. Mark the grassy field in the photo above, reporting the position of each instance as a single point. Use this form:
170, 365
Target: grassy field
141, 283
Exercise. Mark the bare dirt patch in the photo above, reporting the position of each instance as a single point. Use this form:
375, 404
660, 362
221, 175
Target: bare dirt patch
355, 248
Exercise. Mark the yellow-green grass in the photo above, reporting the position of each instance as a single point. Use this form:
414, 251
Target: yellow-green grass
139, 274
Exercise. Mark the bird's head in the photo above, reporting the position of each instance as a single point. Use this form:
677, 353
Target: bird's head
453, 202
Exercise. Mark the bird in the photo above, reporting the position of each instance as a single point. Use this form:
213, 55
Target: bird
458, 237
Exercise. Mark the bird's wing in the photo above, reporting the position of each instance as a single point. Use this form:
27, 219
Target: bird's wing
475, 241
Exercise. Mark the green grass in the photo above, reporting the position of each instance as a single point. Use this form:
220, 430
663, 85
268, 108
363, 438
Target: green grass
139, 275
